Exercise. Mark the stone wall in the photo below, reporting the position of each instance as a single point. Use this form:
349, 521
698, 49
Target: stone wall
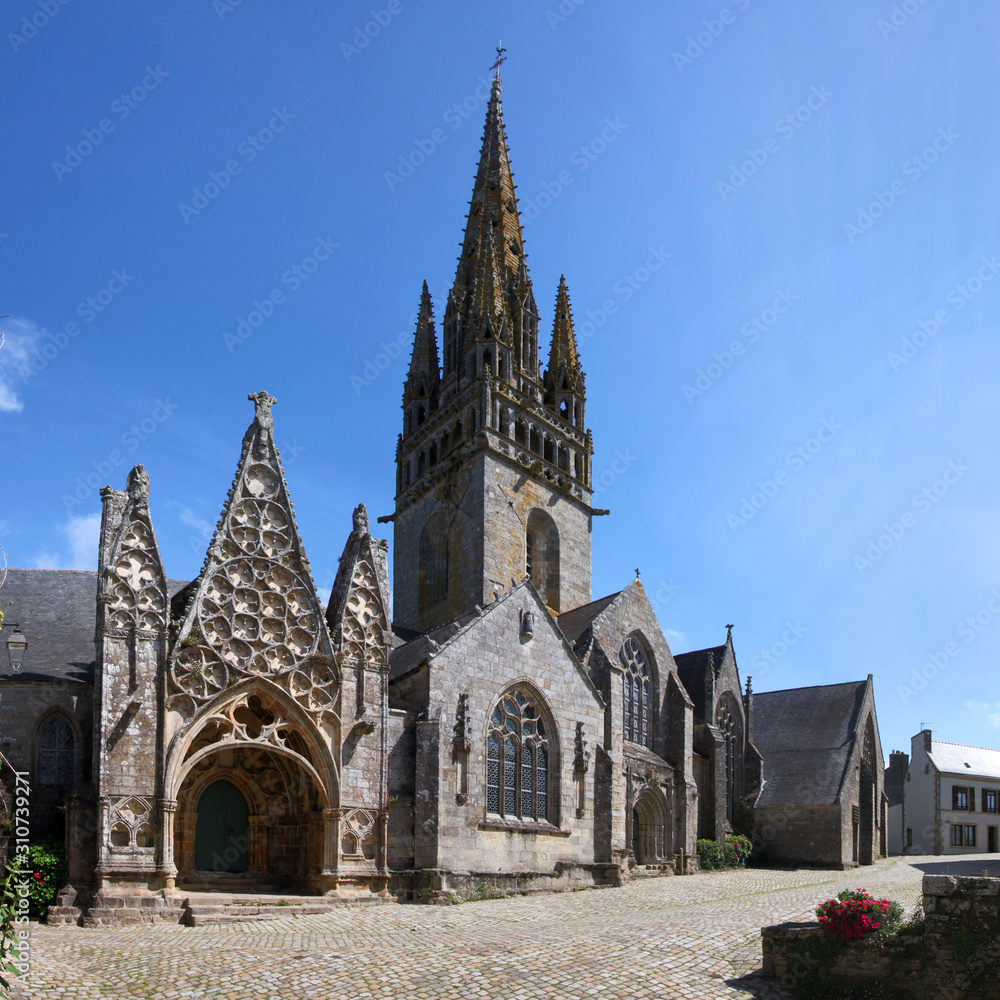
956, 953
25, 705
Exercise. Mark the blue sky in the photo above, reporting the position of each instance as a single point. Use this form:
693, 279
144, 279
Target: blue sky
792, 209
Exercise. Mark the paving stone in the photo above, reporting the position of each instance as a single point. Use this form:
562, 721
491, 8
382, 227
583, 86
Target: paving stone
693, 937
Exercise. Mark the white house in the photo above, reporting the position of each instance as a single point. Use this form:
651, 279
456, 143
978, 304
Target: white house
951, 801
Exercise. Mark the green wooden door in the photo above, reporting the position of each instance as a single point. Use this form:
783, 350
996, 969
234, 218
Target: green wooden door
221, 833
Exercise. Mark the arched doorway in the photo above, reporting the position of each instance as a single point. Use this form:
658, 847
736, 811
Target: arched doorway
650, 828
222, 828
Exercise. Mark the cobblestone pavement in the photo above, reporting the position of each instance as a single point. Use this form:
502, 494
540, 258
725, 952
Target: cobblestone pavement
695, 937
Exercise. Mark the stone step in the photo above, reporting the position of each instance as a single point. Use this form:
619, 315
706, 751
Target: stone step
203, 909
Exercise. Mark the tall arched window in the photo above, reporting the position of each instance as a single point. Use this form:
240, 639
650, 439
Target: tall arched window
541, 556
638, 693
434, 562
729, 722
517, 758
56, 753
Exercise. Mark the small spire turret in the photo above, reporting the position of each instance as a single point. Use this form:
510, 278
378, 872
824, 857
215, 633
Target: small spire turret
565, 389
420, 392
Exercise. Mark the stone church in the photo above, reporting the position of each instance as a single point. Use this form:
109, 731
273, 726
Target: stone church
482, 721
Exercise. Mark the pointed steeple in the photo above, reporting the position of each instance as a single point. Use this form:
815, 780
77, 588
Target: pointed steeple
563, 356
565, 389
425, 370
491, 282
488, 301
494, 203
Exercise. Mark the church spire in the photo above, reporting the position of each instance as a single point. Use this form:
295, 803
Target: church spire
421, 388
491, 282
424, 360
565, 391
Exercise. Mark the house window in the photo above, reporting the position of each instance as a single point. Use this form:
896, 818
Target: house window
970, 835
959, 799
909, 837
989, 800
638, 699
963, 835
55, 753
517, 758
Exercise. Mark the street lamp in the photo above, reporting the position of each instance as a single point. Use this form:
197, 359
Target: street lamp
17, 643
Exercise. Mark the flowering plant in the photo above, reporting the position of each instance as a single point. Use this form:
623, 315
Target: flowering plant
855, 914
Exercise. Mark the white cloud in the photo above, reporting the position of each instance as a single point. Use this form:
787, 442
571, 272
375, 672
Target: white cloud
979, 706
675, 636
192, 520
82, 535
994, 720
20, 340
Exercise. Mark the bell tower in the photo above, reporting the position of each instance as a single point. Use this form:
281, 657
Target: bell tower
494, 462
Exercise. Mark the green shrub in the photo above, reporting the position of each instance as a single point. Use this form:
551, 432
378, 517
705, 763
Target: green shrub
732, 854
711, 854
46, 861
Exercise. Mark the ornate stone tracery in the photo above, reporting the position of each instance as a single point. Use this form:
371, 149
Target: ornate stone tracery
136, 596
256, 613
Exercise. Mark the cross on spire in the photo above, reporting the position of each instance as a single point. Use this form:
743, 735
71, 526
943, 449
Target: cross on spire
501, 59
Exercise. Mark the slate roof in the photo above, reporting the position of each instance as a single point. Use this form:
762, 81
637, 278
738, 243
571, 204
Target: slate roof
804, 737
692, 667
409, 655
973, 761
574, 623
57, 611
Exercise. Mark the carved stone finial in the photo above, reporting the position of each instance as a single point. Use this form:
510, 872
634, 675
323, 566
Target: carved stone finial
263, 402
361, 518
138, 483
729, 633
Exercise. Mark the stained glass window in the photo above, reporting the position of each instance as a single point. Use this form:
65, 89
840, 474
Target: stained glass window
55, 753
517, 755
638, 694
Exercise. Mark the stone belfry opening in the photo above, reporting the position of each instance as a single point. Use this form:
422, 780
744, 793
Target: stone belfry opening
494, 461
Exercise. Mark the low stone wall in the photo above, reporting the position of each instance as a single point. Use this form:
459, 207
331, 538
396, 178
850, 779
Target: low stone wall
954, 956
